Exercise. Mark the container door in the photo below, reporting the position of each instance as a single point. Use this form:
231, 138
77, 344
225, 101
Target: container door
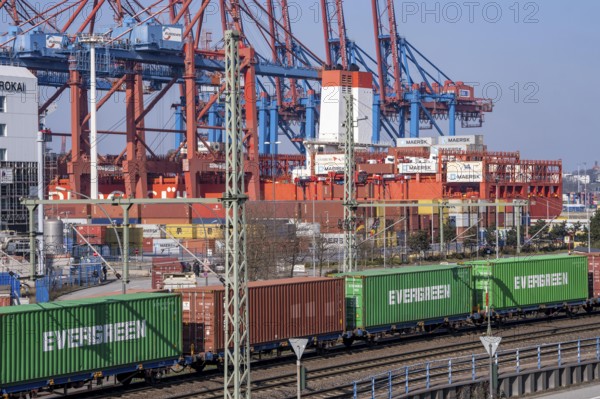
481, 280
594, 268
354, 303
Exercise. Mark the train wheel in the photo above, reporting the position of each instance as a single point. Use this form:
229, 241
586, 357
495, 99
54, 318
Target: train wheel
153, 377
199, 366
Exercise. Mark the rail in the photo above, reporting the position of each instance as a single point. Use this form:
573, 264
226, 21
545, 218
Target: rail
419, 376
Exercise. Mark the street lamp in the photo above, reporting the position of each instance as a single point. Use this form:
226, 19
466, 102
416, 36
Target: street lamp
585, 205
497, 218
92, 40
112, 223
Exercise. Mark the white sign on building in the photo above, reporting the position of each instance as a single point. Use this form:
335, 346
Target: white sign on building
418, 167
415, 142
464, 172
172, 33
325, 163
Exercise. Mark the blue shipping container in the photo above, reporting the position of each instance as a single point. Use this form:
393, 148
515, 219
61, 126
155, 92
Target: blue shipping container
6, 278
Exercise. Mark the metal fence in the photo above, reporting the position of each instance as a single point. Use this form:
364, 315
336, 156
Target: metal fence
12, 280
408, 379
85, 274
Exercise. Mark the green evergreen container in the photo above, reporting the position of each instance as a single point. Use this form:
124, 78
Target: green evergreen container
406, 295
50, 340
524, 282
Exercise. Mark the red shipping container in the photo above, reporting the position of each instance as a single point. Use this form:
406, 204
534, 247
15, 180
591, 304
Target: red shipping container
5, 300
148, 244
199, 245
278, 310
160, 266
95, 234
594, 271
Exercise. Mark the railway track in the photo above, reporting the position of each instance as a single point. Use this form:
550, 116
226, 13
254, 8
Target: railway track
325, 382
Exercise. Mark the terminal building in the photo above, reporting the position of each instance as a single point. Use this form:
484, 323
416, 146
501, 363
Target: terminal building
19, 125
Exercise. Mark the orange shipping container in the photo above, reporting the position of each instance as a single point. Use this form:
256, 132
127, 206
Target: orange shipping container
148, 244
5, 300
278, 310
95, 234
200, 245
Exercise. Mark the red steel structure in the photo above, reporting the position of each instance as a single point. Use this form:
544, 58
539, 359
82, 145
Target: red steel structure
137, 171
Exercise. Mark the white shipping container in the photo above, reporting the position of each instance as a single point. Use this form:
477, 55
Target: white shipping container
474, 219
509, 219
74, 221
476, 139
464, 172
415, 142
308, 229
435, 149
418, 167
325, 163
175, 281
152, 230
333, 240
166, 246
300, 172
461, 219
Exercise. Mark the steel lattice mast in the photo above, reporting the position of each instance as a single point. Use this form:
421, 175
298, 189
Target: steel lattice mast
349, 200
237, 344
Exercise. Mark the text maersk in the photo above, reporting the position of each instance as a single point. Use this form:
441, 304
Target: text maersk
421, 294
95, 335
541, 280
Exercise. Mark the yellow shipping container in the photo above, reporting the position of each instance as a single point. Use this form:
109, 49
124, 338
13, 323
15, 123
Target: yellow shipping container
136, 235
426, 210
181, 231
210, 231
195, 231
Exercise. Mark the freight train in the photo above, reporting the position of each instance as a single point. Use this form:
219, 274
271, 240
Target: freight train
73, 343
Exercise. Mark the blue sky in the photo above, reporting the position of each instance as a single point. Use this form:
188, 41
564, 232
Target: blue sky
536, 59
549, 50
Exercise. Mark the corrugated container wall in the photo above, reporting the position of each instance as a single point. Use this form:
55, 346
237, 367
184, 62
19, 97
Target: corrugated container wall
530, 281
594, 270
152, 230
95, 234
406, 295
593, 273
278, 310
43, 341
136, 235
162, 266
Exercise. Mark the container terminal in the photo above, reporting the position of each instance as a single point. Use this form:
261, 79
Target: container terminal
283, 153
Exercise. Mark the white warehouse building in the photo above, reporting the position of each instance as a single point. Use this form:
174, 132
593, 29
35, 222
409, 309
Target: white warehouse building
19, 124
